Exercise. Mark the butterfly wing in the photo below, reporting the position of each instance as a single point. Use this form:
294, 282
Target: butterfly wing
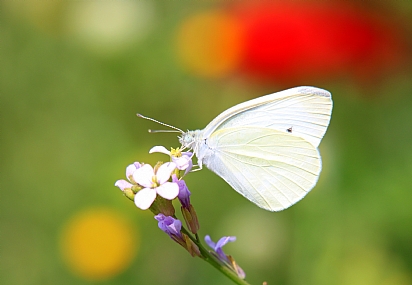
301, 111
272, 169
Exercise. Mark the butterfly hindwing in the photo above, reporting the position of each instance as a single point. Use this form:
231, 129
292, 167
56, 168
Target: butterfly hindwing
273, 169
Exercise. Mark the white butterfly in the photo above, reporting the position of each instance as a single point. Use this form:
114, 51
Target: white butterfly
266, 148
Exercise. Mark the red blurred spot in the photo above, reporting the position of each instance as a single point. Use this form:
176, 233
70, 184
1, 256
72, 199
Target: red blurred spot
295, 41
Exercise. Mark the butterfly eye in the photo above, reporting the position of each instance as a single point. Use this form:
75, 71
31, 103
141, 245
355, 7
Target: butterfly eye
187, 139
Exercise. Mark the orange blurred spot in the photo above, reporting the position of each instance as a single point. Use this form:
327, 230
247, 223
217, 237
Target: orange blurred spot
210, 44
98, 244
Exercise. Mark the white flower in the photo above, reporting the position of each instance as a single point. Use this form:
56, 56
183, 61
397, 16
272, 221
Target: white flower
131, 169
123, 184
154, 183
183, 160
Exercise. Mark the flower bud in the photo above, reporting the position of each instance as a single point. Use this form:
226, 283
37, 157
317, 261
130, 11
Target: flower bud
129, 193
191, 247
236, 268
189, 214
156, 167
136, 188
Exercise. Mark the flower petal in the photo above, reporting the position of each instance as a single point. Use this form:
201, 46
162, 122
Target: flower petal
184, 193
132, 168
169, 225
144, 175
144, 198
123, 184
161, 149
164, 172
224, 240
209, 242
168, 190
189, 167
182, 162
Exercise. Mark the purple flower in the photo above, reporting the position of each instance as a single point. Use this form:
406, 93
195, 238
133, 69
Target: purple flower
154, 183
217, 247
184, 193
227, 259
183, 160
170, 225
173, 227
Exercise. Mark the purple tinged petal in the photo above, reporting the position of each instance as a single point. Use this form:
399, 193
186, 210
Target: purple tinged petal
189, 155
160, 149
168, 190
209, 242
169, 225
160, 217
240, 272
189, 167
182, 162
144, 198
123, 184
218, 246
221, 254
144, 175
225, 240
164, 172
131, 168
227, 259
184, 193
174, 226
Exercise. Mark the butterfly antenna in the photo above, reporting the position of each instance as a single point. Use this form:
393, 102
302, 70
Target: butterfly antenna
176, 130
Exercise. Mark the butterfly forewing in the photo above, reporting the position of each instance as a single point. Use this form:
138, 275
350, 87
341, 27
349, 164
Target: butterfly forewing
302, 111
273, 169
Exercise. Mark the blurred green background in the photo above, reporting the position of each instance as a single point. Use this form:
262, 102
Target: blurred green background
75, 73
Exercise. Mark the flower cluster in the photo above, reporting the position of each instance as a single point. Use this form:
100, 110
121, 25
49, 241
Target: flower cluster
154, 188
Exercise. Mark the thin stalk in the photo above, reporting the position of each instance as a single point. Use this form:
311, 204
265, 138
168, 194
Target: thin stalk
208, 257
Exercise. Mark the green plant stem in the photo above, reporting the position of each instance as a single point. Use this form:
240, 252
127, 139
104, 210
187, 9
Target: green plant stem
208, 257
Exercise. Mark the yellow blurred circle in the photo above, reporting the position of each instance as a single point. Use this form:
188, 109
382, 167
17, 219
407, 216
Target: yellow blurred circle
109, 27
98, 243
209, 44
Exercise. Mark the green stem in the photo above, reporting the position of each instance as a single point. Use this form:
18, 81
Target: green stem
208, 257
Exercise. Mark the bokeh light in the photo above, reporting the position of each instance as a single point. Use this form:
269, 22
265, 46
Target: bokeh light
107, 27
209, 44
98, 243
292, 41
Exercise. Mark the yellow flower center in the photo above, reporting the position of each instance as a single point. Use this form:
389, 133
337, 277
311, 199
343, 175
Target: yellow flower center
176, 152
154, 181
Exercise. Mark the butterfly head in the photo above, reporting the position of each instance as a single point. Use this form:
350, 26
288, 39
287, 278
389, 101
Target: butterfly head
189, 138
